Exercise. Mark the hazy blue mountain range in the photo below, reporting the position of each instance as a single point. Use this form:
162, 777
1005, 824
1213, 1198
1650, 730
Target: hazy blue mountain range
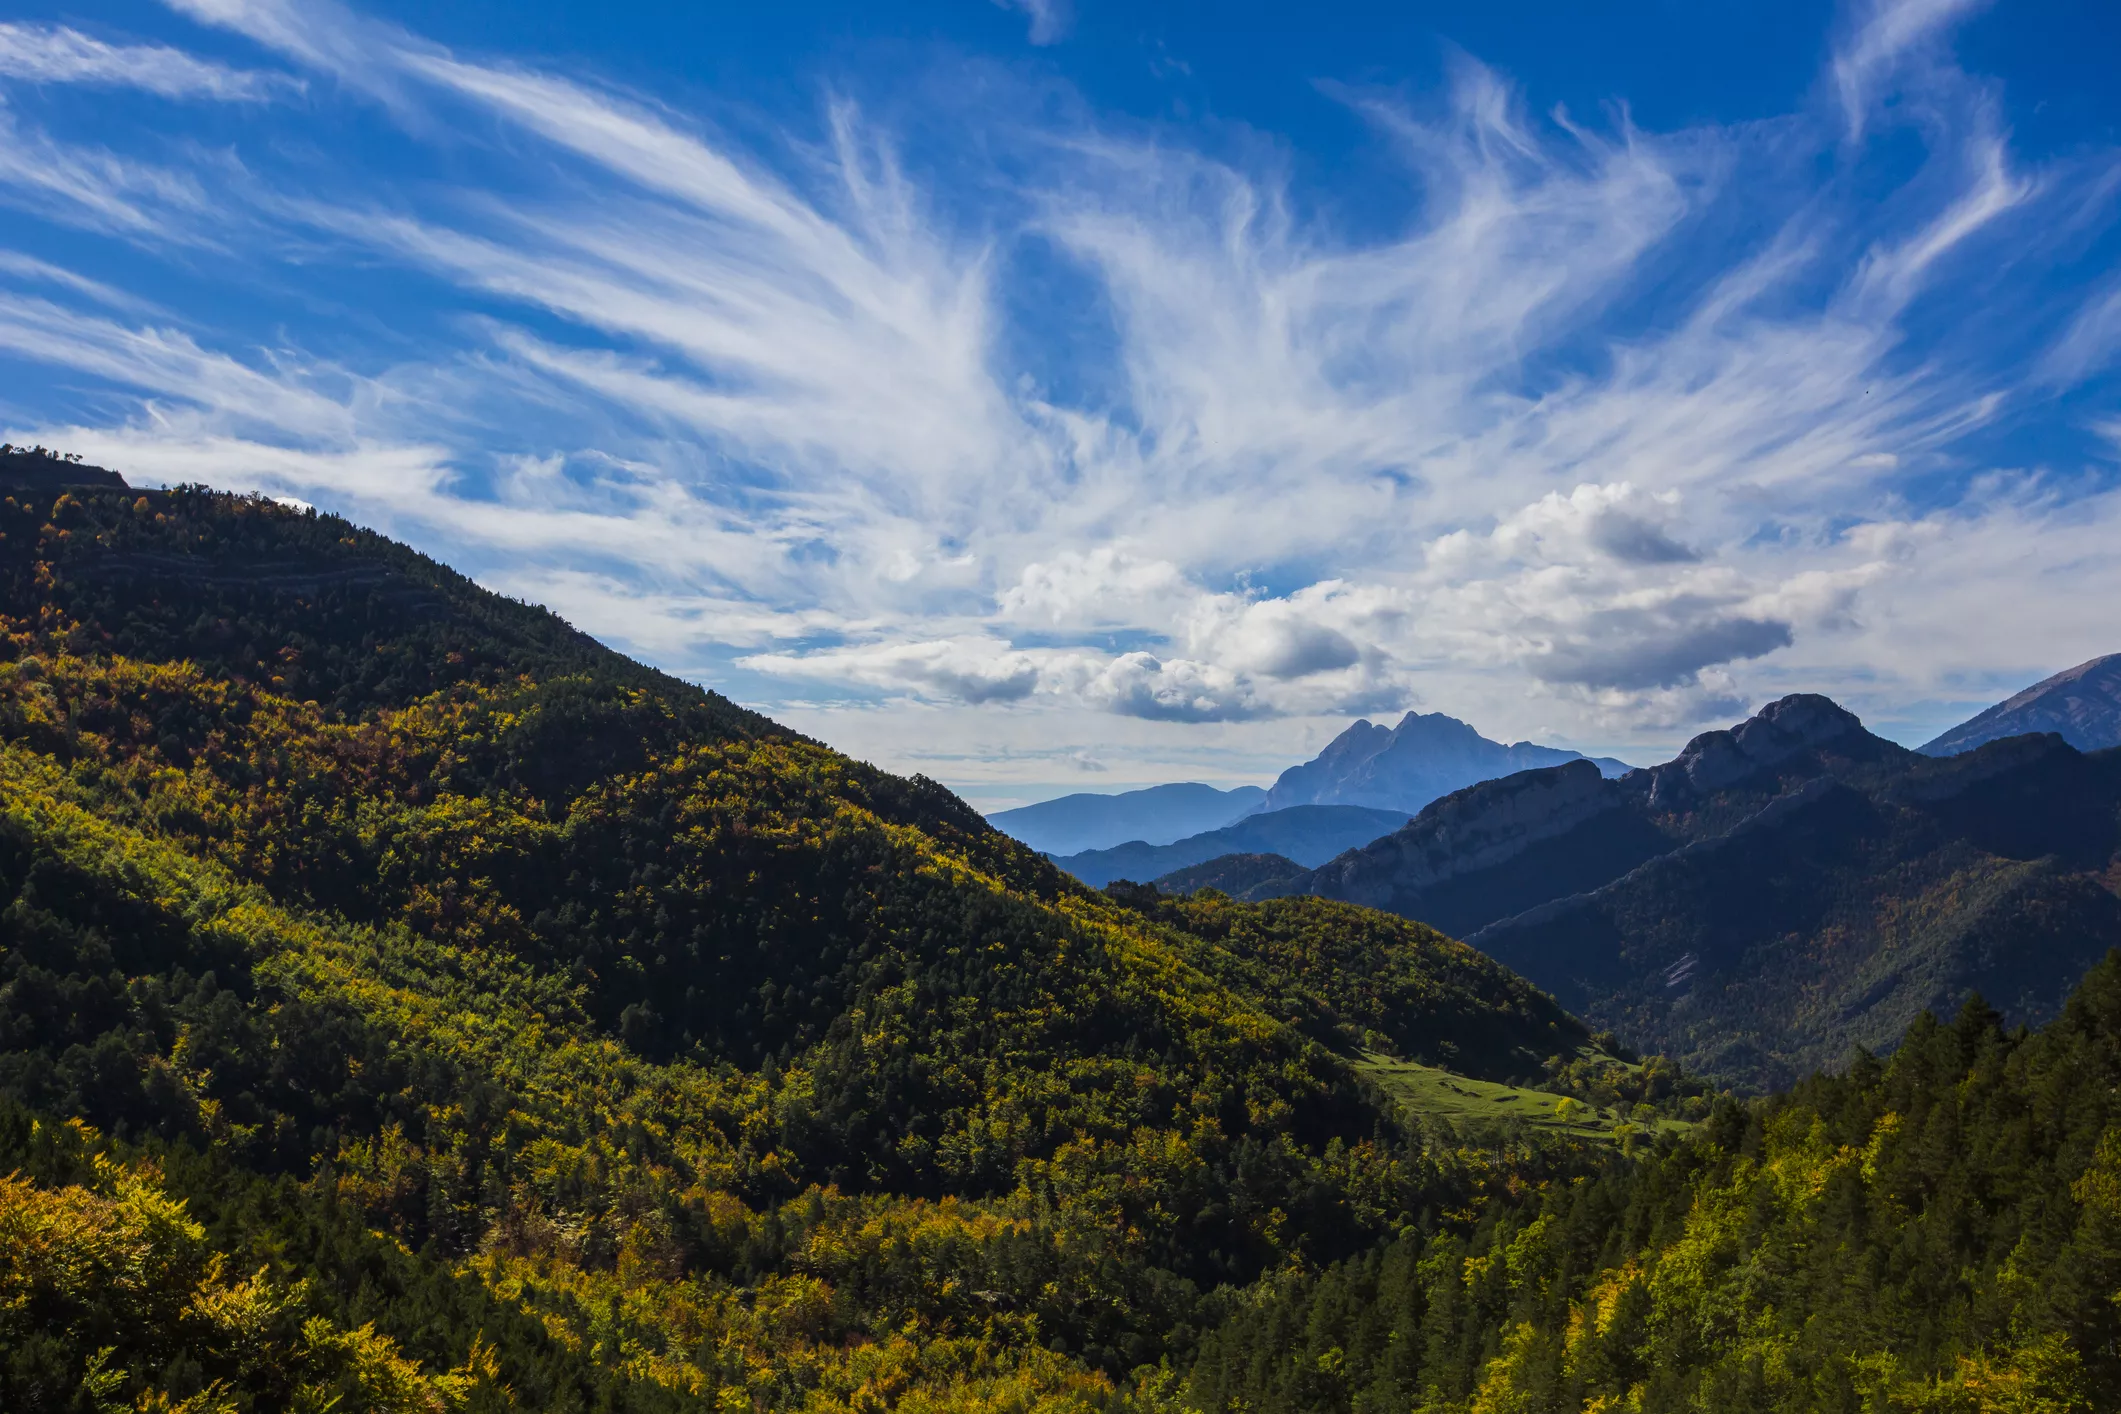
2081, 705
1158, 815
1398, 768
1776, 894
1308, 834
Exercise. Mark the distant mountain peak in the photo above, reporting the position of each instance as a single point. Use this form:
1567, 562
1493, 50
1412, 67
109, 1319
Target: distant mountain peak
1811, 716
1484, 826
2082, 705
1780, 729
1436, 725
1368, 766
1427, 756
1361, 741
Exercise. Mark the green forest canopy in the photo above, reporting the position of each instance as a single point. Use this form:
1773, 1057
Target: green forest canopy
407, 1002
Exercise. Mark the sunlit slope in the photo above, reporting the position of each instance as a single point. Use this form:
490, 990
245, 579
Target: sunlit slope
1482, 1106
744, 1069
1357, 976
1938, 1232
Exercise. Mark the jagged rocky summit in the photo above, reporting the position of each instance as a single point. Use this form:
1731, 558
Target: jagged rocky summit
1426, 756
1563, 828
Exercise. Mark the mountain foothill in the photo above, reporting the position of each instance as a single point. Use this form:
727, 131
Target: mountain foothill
409, 1004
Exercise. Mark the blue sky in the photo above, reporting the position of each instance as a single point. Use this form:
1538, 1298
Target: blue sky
1053, 397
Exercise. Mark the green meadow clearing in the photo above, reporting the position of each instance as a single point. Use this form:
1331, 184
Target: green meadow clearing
1429, 1090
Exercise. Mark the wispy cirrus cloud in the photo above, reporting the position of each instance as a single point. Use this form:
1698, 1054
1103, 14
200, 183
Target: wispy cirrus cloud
90, 187
1529, 454
58, 54
32, 272
2091, 343
1886, 40
1049, 19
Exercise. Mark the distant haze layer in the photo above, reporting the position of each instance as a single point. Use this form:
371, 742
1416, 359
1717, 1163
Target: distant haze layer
1392, 770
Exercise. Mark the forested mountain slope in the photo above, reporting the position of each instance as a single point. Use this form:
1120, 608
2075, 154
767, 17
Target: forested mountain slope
1776, 894
1241, 876
1940, 1234
1840, 911
1498, 848
462, 1015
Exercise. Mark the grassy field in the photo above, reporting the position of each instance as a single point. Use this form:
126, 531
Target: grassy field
1424, 1089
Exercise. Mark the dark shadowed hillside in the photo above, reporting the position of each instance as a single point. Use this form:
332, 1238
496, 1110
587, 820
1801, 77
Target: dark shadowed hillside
35, 468
1776, 894
1840, 911
1241, 876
